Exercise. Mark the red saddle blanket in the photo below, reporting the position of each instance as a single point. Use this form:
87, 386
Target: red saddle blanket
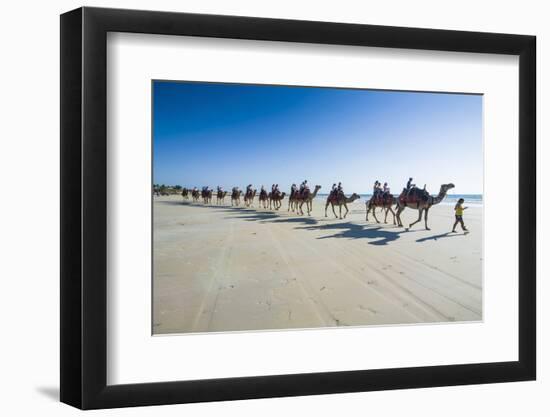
382, 199
335, 197
414, 196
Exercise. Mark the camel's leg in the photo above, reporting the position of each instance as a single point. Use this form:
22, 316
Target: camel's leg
419, 218
347, 210
400, 210
426, 218
334, 211
374, 214
393, 214
367, 215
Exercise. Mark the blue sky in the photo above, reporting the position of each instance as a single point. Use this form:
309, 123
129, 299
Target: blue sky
236, 134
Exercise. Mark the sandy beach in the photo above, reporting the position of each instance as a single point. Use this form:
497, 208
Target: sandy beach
223, 268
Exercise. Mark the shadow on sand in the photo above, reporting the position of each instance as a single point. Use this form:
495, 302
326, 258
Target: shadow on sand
440, 236
380, 236
377, 235
175, 203
251, 214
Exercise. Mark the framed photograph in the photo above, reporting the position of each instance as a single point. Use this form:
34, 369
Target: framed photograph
258, 208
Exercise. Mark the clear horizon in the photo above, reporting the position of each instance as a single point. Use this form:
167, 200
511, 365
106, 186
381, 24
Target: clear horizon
235, 134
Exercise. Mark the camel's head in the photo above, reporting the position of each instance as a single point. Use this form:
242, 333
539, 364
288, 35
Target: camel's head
355, 195
447, 187
317, 187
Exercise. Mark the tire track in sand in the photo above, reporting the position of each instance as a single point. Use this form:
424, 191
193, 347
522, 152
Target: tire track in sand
205, 313
323, 313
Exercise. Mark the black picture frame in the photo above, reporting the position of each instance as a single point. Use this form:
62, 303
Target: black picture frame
84, 207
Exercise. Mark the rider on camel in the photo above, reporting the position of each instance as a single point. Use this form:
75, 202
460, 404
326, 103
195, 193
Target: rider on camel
377, 189
410, 186
303, 187
333, 192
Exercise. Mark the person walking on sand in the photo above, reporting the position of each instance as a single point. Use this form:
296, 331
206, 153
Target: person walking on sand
459, 211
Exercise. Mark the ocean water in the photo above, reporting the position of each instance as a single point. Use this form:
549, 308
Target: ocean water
450, 199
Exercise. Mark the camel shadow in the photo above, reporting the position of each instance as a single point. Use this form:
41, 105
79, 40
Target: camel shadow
174, 203
269, 217
440, 236
252, 216
377, 235
303, 220
230, 209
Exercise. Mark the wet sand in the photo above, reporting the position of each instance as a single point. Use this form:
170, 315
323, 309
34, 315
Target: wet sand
233, 268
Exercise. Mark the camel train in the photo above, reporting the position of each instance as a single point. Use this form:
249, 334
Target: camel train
411, 197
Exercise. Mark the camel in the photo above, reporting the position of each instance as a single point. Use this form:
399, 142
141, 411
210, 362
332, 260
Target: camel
306, 197
340, 200
264, 197
220, 197
206, 196
276, 199
292, 202
249, 198
236, 197
422, 203
385, 202
185, 194
196, 195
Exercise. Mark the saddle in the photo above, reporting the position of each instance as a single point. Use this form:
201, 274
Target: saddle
335, 196
382, 198
414, 196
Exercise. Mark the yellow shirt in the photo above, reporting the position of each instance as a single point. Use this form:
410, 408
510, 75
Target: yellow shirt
459, 210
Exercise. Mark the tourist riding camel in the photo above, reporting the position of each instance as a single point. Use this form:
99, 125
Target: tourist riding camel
220, 196
264, 197
195, 194
291, 197
275, 199
421, 200
338, 198
249, 196
383, 199
206, 195
236, 196
306, 197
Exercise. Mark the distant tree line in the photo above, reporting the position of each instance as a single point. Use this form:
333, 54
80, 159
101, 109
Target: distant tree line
164, 189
